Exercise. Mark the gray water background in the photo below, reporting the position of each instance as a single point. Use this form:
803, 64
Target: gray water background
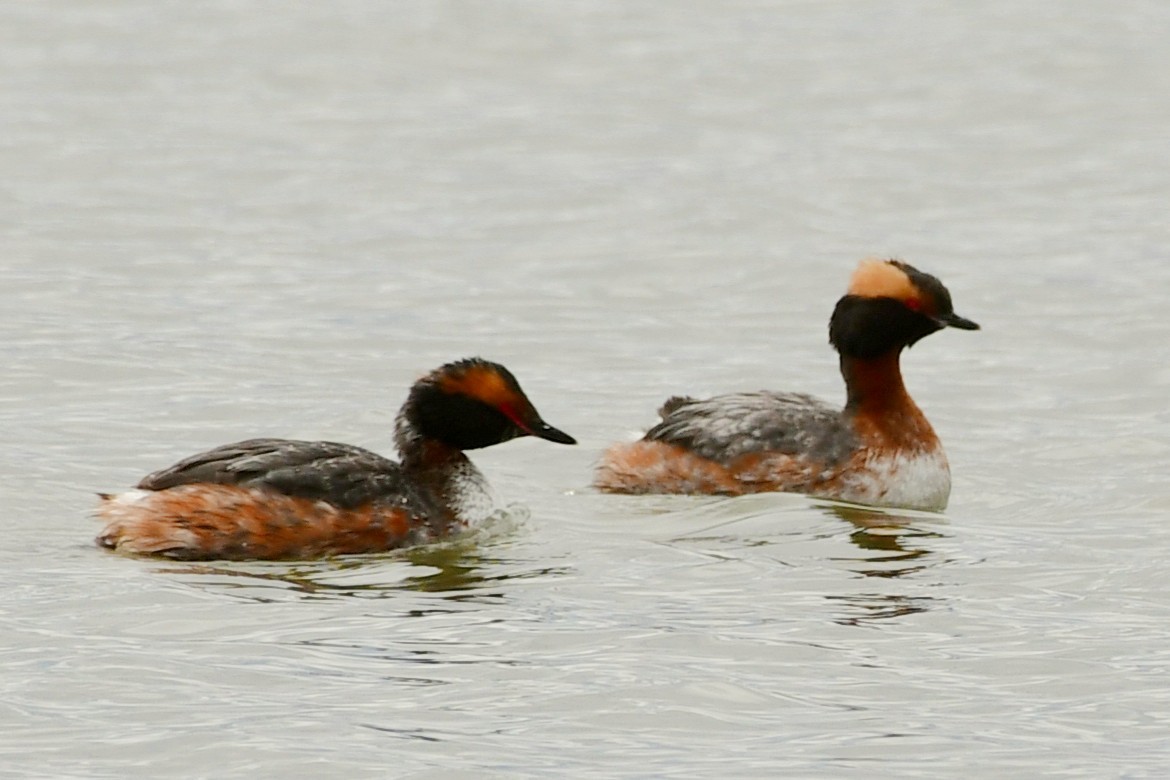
222, 220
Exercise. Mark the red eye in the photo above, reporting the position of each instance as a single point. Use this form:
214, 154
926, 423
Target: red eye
913, 304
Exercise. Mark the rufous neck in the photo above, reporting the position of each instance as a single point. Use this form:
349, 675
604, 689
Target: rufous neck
874, 385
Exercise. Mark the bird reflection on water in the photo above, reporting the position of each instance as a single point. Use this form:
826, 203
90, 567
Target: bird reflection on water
893, 545
458, 569
893, 538
882, 558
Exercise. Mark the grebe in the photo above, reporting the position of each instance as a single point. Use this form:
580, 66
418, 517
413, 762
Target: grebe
878, 450
283, 499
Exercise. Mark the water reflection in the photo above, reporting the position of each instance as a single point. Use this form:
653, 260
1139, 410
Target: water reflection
457, 570
893, 542
868, 608
883, 553
893, 546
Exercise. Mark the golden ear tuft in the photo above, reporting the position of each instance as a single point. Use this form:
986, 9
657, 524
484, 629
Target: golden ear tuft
481, 382
875, 278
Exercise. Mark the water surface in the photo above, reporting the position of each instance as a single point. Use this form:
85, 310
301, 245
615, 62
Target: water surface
221, 222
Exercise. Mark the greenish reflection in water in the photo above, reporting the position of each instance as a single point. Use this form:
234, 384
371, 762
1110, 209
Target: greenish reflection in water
458, 569
893, 545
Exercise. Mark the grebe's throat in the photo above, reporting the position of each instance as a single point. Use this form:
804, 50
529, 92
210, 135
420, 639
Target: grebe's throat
874, 385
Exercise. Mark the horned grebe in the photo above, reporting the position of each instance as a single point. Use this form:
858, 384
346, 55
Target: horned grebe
282, 499
878, 450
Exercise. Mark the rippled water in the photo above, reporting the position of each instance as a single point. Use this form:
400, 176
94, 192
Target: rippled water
224, 221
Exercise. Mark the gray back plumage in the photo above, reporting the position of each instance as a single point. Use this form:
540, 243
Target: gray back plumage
344, 475
730, 426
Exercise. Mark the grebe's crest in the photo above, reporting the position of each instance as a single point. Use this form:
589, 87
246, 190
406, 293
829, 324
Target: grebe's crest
876, 278
914, 289
469, 404
480, 379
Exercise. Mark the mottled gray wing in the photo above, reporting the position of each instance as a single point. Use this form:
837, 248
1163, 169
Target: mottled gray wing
341, 474
727, 427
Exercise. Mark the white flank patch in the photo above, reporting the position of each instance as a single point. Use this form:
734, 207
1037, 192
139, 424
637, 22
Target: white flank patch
130, 497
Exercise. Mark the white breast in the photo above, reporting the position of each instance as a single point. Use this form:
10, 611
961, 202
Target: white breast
471, 497
912, 480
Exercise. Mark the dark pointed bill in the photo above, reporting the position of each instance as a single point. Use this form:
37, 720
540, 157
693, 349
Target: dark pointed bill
549, 433
953, 320
531, 424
